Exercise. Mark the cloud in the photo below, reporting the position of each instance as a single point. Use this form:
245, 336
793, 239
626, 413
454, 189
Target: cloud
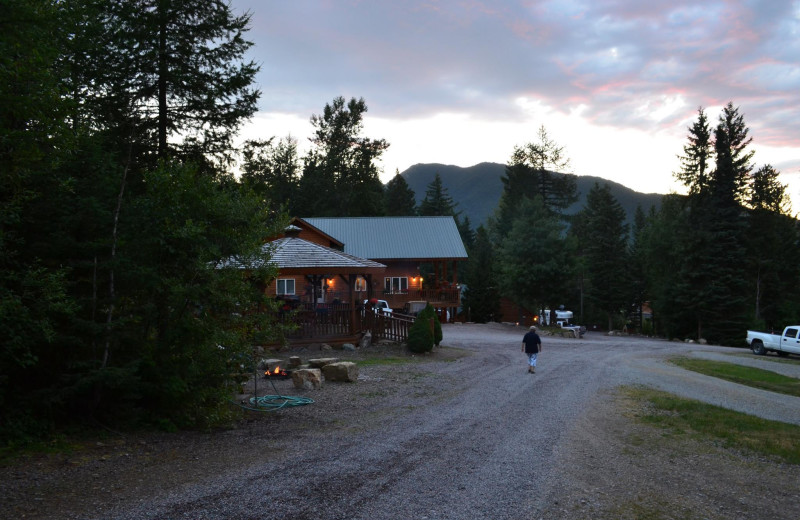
617, 65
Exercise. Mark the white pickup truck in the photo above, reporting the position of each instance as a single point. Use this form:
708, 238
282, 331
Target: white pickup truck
784, 344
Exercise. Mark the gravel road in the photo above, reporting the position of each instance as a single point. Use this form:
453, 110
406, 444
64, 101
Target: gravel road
472, 436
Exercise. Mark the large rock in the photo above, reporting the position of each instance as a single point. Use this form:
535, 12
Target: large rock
307, 378
295, 362
321, 362
342, 371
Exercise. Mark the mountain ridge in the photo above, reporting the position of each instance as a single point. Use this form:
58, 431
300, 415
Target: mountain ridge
477, 189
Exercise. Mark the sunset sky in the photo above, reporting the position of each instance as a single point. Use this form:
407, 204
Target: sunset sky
615, 82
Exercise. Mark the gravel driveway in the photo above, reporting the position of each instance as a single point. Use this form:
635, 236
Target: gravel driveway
467, 435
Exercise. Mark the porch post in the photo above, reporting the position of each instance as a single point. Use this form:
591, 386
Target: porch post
352, 278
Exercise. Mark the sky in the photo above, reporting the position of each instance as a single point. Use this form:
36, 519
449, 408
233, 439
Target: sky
617, 83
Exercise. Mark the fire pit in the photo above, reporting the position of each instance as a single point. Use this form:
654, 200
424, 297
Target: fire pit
277, 373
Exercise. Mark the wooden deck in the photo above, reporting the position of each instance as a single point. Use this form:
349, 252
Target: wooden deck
341, 324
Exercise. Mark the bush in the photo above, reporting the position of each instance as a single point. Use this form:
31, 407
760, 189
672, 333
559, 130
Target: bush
420, 338
429, 313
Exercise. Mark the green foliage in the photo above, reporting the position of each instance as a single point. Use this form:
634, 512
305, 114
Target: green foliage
698, 152
272, 171
420, 337
437, 202
399, 199
604, 242
115, 298
537, 169
481, 296
535, 261
168, 75
429, 313
342, 162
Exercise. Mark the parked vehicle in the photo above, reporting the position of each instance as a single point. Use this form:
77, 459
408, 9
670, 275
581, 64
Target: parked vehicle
378, 305
414, 307
784, 344
561, 319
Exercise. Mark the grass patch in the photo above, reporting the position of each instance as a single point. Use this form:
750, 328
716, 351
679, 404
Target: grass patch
733, 429
744, 375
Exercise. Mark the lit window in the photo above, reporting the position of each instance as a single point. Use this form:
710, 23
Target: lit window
286, 286
361, 284
395, 284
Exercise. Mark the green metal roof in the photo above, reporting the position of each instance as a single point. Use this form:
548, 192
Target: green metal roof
382, 238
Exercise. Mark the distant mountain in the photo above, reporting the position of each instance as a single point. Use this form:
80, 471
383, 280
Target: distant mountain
477, 189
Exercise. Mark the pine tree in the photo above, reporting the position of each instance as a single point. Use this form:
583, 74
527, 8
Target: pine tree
272, 171
665, 245
713, 282
606, 251
342, 162
535, 169
481, 296
535, 262
399, 199
771, 238
168, 75
437, 201
698, 153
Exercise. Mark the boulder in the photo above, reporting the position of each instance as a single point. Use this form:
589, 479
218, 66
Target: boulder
295, 362
348, 347
346, 371
321, 362
307, 378
366, 340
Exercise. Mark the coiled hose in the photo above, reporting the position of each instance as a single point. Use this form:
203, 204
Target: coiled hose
272, 403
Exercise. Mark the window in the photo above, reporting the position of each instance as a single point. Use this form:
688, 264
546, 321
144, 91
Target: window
286, 286
361, 284
395, 285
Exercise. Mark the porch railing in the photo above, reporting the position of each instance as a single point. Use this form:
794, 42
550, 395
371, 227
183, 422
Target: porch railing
328, 321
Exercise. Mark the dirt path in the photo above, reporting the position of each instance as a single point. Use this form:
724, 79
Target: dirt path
465, 433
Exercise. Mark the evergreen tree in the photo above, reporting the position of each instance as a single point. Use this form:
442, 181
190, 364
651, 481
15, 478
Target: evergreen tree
698, 153
34, 298
437, 201
272, 171
535, 169
535, 262
771, 238
606, 251
637, 266
481, 296
107, 253
466, 232
343, 163
713, 281
665, 239
168, 75
399, 198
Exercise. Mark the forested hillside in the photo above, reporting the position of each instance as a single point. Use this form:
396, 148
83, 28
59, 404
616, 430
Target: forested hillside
477, 189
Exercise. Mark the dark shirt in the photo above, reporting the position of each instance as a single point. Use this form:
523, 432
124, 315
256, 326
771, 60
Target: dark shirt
532, 342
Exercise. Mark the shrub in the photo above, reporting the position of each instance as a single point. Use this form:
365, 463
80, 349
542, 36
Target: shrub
420, 338
429, 313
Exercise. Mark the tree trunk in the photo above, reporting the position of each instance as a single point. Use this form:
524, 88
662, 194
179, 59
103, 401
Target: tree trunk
163, 68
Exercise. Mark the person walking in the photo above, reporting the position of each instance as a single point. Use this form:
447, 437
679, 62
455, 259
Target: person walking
532, 345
